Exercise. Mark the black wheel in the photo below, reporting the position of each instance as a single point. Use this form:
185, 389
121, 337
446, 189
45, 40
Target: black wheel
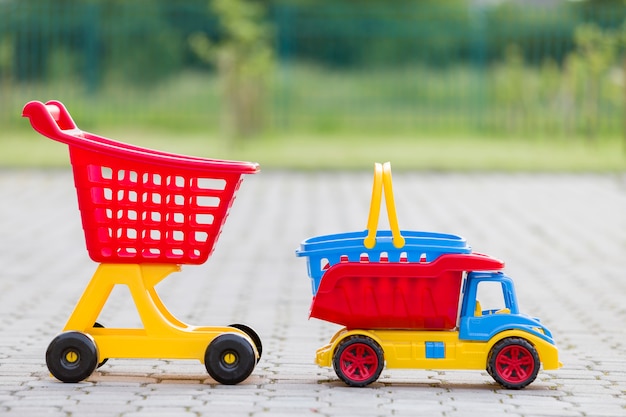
513, 363
98, 325
358, 361
252, 335
72, 356
229, 358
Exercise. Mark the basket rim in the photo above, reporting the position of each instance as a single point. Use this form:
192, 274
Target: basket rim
54, 121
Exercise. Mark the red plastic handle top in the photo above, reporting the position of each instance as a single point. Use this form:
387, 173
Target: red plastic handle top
60, 115
54, 121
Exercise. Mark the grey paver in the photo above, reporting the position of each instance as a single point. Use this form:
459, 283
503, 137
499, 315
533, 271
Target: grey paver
563, 238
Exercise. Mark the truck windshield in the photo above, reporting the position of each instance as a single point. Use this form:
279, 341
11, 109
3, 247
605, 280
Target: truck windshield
490, 298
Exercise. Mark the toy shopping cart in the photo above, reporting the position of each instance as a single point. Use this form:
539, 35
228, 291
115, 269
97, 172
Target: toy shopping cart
144, 213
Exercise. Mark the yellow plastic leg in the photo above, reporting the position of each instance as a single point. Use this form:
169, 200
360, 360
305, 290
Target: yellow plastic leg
162, 335
140, 280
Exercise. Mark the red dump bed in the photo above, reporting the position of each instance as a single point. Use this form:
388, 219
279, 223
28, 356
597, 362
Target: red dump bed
397, 295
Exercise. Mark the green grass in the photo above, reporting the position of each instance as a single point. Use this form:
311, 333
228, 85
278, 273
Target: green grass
332, 152
500, 101
414, 117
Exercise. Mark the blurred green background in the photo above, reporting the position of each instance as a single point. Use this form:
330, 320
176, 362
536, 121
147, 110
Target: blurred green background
443, 85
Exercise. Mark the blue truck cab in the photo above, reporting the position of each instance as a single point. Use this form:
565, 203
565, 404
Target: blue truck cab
476, 324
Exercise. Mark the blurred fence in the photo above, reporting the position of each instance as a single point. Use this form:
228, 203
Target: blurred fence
497, 68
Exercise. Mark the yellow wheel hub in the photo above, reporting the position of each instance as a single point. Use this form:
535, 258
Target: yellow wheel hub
229, 358
71, 356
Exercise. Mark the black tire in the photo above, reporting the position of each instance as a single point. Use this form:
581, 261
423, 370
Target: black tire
513, 363
229, 358
358, 361
72, 356
252, 335
98, 325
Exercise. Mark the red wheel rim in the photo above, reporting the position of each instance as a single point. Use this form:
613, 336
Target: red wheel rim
358, 362
515, 364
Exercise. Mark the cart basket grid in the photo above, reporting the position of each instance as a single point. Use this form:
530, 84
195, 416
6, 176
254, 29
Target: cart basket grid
138, 205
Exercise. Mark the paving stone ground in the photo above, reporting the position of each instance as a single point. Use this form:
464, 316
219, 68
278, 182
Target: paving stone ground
563, 238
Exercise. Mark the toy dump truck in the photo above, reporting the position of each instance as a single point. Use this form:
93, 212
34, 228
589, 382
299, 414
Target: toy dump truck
410, 300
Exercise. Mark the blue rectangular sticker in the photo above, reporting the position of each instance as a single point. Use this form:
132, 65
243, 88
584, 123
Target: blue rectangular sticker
435, 350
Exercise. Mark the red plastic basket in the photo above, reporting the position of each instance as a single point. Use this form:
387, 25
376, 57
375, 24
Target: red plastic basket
139, 205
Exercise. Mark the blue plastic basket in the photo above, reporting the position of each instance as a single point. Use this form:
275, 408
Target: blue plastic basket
325, 251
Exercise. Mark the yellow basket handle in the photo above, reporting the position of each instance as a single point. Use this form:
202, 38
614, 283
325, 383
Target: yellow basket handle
382, 180
372, 220
398, 240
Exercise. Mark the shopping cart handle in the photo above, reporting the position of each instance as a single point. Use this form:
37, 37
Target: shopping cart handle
52, 117
54, 121
54, 111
